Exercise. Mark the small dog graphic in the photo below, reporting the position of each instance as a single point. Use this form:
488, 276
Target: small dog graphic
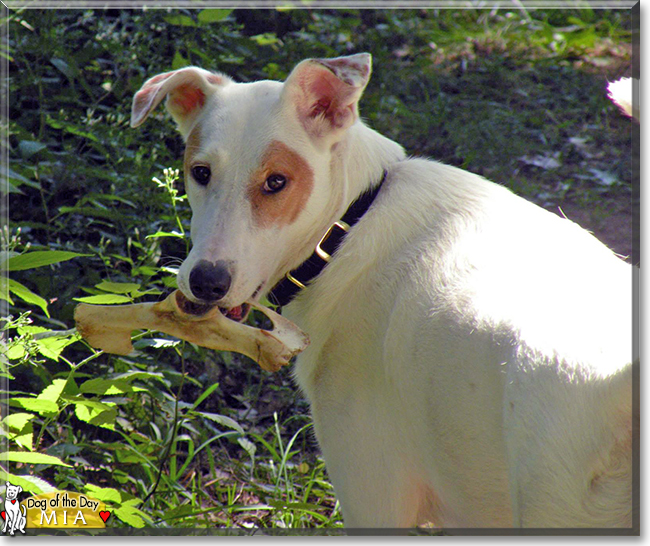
15, 520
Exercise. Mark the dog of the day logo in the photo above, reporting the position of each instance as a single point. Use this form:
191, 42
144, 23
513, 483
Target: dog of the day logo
14, 514
55, 510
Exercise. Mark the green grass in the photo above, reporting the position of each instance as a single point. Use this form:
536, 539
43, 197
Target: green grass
175, 436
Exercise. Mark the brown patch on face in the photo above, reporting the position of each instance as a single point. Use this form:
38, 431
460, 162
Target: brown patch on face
283, 207
192, 146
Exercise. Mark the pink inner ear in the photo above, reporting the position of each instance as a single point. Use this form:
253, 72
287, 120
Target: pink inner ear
215, 79
141, 99
186, 98
321, 106
347, 70
159, 78
329, 92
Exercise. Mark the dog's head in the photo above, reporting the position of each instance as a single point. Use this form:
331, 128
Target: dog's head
12, 491
258, 164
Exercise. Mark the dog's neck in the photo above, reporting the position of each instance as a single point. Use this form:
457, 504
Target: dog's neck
365, 155
358, 163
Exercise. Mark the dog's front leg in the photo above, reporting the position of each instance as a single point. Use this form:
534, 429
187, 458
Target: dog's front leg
372, 490
374, 480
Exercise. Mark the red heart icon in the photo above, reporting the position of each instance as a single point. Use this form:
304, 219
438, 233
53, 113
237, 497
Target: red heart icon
3, 514
13, 501
104, 514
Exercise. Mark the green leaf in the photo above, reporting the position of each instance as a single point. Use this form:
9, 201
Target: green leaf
39, 258
132, 376
145, 271
8, 187
180, 20
16, 177
93, 412
42, 407
179, 61
95, 198
248, 446
207, 16
24, 437
118, 287
28, 148
70, 128
268, 38
13, 181
166, 234
23, 293
105, 299
20, 428
129, 515
31, 458
64, 67
32, 484
111, 215
205, 394
15, 352
105, 386
17, 421
50, 347
104, 494
53, 392
222, 420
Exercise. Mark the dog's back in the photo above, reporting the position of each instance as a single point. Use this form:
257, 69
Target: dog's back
495, 337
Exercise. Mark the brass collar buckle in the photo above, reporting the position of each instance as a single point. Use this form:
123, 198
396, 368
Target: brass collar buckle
322, 254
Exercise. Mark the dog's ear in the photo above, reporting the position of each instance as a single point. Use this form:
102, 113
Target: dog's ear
20, 489
326, 92
186, 90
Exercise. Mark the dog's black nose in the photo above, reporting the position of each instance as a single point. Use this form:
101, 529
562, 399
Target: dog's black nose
209, 281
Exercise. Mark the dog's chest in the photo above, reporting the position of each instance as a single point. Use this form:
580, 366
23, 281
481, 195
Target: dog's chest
345, 331
346, 312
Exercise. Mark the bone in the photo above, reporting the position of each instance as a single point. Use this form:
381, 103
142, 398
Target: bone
109, 327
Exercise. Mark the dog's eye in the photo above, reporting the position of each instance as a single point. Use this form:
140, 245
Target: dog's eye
201, 174
275, 183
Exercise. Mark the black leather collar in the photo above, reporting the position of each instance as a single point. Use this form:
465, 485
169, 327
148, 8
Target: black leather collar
294, 281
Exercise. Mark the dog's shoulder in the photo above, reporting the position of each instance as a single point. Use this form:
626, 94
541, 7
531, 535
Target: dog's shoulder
498, 260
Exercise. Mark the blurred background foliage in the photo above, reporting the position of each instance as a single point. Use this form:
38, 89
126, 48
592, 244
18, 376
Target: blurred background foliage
178, 436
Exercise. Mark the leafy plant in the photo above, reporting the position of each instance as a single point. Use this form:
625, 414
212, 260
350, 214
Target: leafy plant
174, 435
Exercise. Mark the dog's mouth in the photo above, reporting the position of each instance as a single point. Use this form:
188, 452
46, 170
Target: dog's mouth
238, 313
191, 307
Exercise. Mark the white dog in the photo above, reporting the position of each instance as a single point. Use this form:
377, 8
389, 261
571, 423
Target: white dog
471, 354
15, 520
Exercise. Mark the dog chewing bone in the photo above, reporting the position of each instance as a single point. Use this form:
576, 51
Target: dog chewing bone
109, 327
